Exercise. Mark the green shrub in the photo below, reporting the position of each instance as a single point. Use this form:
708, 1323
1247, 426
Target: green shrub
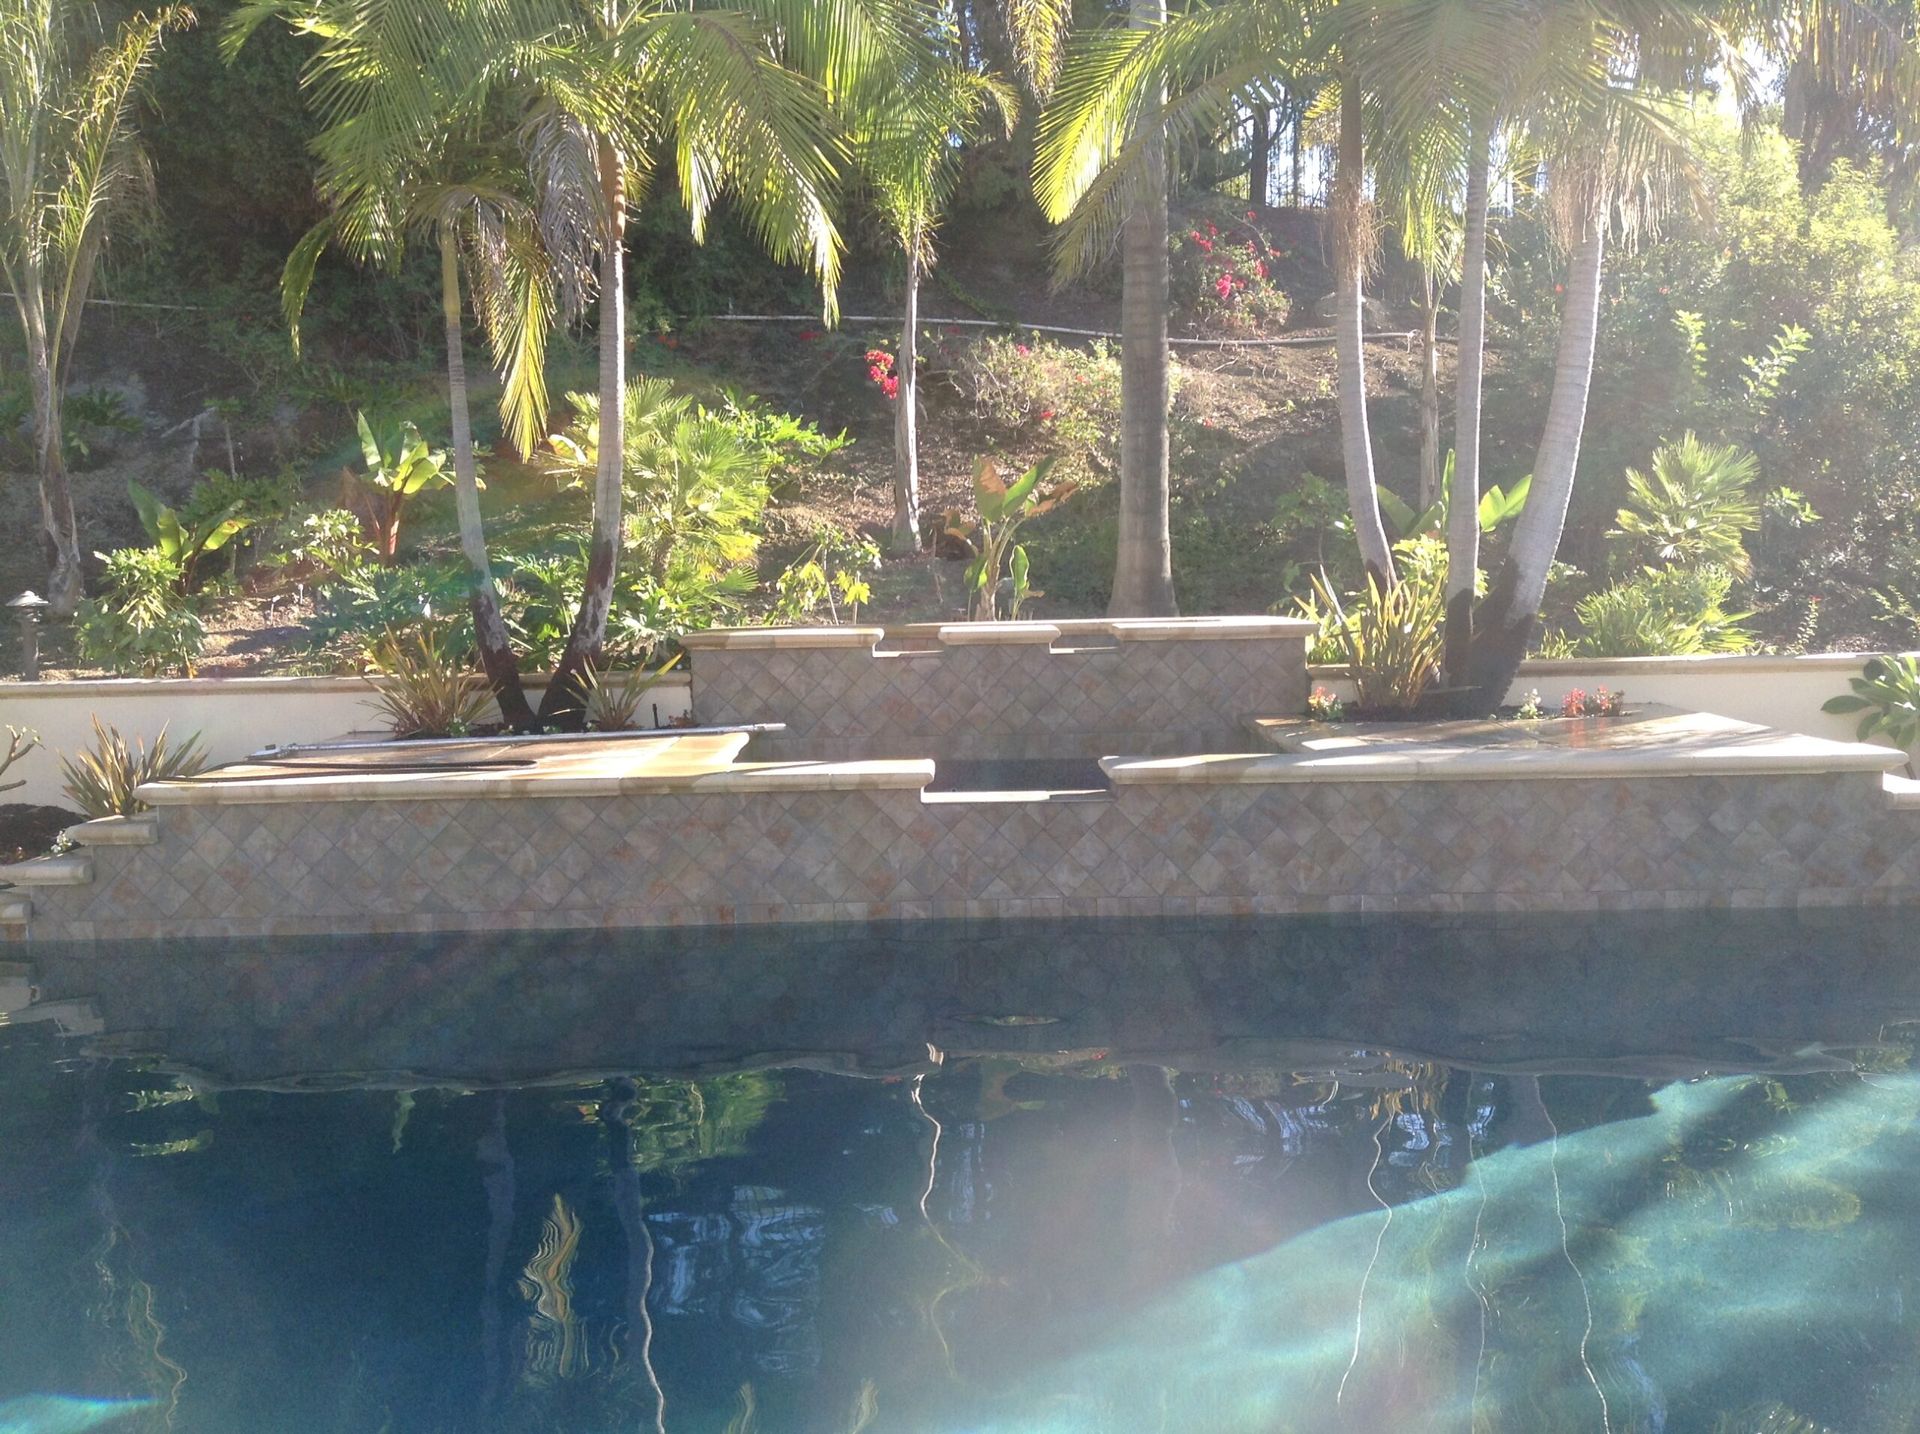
1670, 612
330, 544
184, 537
1036, 391
142, 624
1887, 697
102, 782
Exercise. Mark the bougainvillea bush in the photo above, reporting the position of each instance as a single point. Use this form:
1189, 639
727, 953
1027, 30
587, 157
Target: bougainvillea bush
1224, 280
1033, 391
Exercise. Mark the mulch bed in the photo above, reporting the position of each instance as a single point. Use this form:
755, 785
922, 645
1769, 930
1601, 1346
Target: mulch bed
27, 830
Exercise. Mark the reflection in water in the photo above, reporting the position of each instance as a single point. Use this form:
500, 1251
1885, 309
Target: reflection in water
1638, 1176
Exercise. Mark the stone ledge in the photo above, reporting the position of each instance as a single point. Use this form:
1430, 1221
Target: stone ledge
1781, 755
72, 870
762, 639
114, 831
15, 910
998, 634
1903, 793
430, 786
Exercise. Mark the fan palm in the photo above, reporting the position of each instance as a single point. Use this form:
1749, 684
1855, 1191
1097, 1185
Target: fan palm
69, 166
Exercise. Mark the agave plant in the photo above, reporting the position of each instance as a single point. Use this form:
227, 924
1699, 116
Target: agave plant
1887, 697
102, 782
613, 698
1393, 638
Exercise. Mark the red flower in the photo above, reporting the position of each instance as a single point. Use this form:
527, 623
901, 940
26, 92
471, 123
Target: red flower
1212, 233
1260, 267
1022, 350
1251, 216
1046, 415
1223, 286
1206, 245
807, 335
880, 359
890, 386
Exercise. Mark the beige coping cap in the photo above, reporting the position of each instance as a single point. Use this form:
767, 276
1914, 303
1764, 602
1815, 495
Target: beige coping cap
998, 634
1780, 754
1205, 629
743, 638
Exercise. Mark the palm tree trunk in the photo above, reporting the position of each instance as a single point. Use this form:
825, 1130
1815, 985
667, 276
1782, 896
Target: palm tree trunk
1463, 517
59, 533
1513, 606
565, 697
1430, 394
906, 436
1143, 560
1351, 226
489, 630
1260, 156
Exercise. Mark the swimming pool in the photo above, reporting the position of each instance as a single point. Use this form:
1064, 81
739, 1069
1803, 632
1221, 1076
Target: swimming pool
1640, 1173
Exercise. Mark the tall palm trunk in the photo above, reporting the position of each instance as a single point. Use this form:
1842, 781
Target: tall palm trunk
489, 630
1143, 560
1260, 156
1513, 606
59, 533
1429, 393
906, 435
1463, 516
565, 698
1351, 225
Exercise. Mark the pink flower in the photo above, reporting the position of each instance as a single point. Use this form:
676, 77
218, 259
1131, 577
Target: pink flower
1223, 286
890, 386
1206, 245
1260, 267
1046, 415
1251, 216
1022, 350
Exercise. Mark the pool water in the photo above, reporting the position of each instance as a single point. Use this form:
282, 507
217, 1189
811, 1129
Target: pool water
1618, 1175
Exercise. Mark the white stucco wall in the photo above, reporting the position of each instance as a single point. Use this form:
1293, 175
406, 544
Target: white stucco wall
234, 716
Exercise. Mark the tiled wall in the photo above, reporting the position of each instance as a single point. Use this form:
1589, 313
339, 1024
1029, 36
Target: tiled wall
858, 855
1127, 697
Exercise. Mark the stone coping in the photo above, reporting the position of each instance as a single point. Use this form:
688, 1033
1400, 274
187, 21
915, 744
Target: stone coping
985, 634
706, 763
1763, 753
1701, 665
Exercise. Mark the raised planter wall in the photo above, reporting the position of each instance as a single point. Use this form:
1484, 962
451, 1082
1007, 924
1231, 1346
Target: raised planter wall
234, 716
1002, 690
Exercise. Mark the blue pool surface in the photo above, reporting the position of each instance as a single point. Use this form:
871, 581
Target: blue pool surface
1649, 1173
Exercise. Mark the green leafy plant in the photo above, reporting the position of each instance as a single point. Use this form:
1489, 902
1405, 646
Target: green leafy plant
1887, 697
185, 539
1498, 506
1037, 390
91, 415
1392, 640
331, 544
143, 622
1665, 612
102, 782
1530, 709
426, 685
1004, 507
400, 466
613, 698
1223, 280
20, 741
1695, 506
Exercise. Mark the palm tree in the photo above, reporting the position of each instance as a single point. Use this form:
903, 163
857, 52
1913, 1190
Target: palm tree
908, 129
1124, 95
714, 88
411, 146
69, 167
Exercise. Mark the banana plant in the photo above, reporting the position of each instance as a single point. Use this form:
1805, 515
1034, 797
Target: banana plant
185, 540
1887, 697
1004, 507
397, 469
1497, 506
